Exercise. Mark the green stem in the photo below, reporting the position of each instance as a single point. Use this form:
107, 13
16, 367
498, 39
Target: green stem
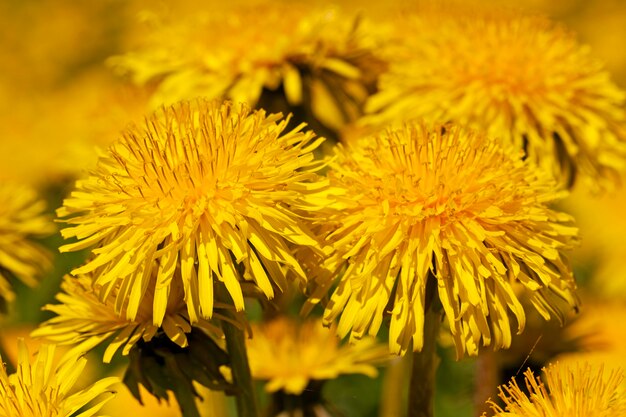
242, 379
422, 387
487, 378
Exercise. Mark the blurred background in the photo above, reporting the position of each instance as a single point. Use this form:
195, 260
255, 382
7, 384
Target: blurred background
60, 102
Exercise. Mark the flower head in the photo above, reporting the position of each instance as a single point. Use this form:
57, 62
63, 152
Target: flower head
522, 79
84, 320
452, 206
42, 390
210, 191
290, 355
317, 56
21, 218
565, 391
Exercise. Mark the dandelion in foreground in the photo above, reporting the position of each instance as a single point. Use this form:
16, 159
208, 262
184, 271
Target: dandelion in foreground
296, 358
41, 389
21, 219
211, 192
309, 55
84, 321
565, 391
523, 79
452, 210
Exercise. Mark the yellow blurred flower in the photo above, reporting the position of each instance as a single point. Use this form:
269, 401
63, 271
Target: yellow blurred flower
84, 321
289, 355
565, 391
43, 389
21, 219
52, 136
213, 191
451, 206
47, 43
212, 404
523, 79
601, 334
314, 55
602, 253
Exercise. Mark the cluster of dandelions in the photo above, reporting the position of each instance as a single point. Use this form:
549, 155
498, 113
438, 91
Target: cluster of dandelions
559, 104
443, 211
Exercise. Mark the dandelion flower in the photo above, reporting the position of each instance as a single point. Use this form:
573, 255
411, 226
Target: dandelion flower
42, 389
523, 79
574, 391
85, 321
296, 359
21, 218
316, 56
211, 190
282, 353
456, 208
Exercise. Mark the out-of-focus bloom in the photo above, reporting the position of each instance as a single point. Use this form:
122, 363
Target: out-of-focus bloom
51, 137
46, 44
290, 355
446, 204
565, 391
601, 334
84, 321
212, 404
602, 253
315, 55
211, 190
125, 404
21, 219
522, 79
41, 389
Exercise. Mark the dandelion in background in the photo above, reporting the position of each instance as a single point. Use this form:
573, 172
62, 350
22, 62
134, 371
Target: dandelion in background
441, 214
296, 358
312, 56
22, 218
42, 389
522, 79
209, 192
564, 391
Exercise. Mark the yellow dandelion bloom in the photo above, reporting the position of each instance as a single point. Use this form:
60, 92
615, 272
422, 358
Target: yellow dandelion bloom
85, 321
523, 79
213, 191
453, 206
565, 391
314, 55
289, 355
41, 389
21, 218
